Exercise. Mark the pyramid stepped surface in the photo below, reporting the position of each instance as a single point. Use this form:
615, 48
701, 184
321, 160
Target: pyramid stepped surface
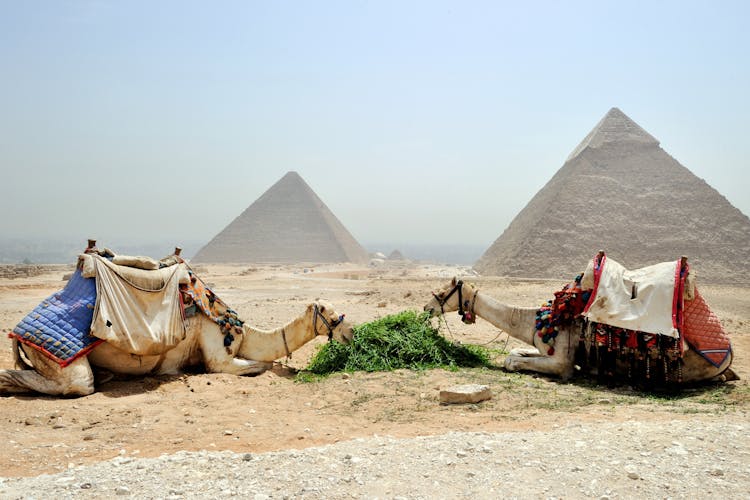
620, 192
287, 224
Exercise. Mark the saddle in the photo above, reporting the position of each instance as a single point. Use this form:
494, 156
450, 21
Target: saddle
660, 299
647, 300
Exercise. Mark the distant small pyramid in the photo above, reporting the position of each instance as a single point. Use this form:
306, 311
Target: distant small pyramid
287, 224
396, 255
621, 192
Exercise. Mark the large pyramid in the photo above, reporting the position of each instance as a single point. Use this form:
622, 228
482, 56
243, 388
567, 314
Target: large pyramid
621, 192
287, 224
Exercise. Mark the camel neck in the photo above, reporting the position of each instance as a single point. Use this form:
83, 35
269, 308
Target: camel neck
270, 345
518, 322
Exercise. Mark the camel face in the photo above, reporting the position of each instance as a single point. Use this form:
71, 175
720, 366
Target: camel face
336, 325
447, 298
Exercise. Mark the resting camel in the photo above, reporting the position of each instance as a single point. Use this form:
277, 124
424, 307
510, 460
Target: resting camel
520, 323
252, 354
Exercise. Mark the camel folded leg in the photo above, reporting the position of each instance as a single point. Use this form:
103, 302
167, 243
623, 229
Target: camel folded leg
548, 365
238, 366
526, 352
47, 377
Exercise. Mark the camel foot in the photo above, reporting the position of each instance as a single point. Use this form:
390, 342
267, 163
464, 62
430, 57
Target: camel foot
729, 375
512, 363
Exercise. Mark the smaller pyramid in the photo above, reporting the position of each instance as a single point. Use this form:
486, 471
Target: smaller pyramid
287, 224
396, 255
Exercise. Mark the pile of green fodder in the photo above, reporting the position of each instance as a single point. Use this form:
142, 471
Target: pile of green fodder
403, 340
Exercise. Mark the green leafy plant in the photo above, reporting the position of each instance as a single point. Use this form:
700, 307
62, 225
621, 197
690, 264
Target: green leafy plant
403, 340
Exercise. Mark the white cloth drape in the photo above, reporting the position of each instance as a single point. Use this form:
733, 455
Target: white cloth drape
651, 310
135, 320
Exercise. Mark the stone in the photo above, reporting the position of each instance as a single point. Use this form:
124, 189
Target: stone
469, 393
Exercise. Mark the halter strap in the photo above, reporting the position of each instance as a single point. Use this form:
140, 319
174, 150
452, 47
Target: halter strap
443, 300
467, 315
286, 346
330, 325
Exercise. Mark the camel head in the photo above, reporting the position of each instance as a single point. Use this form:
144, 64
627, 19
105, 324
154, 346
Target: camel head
455, 296
326, 321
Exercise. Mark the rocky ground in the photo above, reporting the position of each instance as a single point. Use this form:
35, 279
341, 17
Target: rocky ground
631, 459
380, 435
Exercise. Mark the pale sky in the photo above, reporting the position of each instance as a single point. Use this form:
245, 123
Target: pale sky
421, 122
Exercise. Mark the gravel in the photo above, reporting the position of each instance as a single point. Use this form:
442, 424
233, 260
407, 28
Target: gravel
635, 459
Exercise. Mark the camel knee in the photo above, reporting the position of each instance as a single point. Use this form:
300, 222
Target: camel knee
83, 388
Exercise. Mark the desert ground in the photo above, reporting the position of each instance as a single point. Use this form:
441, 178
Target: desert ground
150, 416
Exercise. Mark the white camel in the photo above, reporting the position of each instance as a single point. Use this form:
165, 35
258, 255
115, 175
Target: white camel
252, 354
520, 323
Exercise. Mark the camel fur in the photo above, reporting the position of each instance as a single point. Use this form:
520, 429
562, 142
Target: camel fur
520, 323
251, 354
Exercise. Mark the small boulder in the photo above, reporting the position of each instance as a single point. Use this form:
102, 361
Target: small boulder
470, 393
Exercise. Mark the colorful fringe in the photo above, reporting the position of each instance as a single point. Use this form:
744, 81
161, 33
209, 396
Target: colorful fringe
198, 294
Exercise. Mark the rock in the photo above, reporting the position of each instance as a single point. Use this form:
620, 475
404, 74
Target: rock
469, 393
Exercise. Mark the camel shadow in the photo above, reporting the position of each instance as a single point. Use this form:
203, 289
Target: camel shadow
118, 386
121, 386
668, 392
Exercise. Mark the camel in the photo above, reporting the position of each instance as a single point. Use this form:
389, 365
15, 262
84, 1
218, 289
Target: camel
203, 344
520, 323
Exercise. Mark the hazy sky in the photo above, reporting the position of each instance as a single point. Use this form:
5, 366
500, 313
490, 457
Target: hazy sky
414, 121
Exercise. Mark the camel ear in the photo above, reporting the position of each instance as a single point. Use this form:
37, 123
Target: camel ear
453, 281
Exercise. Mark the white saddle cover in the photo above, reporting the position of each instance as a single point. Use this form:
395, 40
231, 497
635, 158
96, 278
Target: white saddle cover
643, 300
134, 319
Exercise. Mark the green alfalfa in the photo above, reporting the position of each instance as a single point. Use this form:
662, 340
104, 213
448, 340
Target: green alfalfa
402, 340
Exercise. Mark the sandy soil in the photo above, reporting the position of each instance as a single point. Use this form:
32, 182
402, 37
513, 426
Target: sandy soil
150, 416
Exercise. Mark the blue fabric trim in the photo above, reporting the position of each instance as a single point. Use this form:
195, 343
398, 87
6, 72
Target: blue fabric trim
60, 326
705, 352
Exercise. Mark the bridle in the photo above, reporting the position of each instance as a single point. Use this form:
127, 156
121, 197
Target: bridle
330, 325
465, 309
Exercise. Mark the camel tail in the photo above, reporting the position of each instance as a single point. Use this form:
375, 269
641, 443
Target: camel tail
20, 363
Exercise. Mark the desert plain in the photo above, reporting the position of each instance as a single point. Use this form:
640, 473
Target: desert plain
147, 417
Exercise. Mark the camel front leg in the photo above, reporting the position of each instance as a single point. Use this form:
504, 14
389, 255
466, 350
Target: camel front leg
526, 352
217, 358
238, 366
549, 365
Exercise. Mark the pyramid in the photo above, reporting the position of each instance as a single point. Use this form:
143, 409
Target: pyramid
619, 191
287, 224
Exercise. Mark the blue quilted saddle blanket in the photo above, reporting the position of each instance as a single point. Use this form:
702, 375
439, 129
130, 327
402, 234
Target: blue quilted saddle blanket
60, 326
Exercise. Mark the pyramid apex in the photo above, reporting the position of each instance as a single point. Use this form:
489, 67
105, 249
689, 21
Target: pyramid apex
615, 127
